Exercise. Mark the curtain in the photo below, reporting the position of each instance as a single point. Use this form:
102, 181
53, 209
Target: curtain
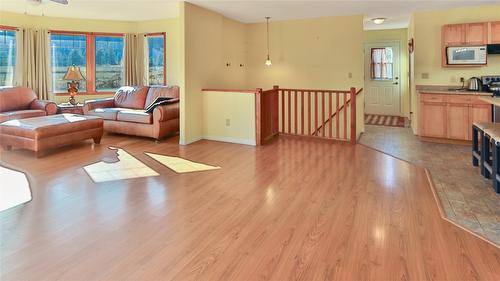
141, 59
145, 60
135, 60
381, 65
35, 67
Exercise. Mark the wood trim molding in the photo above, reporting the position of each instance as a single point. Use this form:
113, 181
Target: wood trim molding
10, 28
232, 90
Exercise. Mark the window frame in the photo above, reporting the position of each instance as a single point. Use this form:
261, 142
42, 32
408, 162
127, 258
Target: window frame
15, 29
89, 60
164, 35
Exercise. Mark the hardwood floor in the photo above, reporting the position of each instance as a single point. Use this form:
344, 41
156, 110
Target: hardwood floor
299, 209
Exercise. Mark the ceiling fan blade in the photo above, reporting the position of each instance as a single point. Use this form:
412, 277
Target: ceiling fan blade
64, 2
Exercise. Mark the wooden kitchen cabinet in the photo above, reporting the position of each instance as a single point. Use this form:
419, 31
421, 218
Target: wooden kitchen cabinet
494, 31
476, 33
433, 121
479, 113
468, 34
453, 34
457, 121
451, 116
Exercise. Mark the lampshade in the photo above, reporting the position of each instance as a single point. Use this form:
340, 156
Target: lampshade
73, 74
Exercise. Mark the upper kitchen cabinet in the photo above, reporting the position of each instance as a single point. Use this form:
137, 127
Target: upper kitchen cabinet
476, 33
453, 34
494, 32
467, 34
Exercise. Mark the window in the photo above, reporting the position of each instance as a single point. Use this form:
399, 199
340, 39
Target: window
382, 63
7, 57
67, 50
108, 63
156, 58
99, 56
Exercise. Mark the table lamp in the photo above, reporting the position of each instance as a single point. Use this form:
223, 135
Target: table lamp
74, 75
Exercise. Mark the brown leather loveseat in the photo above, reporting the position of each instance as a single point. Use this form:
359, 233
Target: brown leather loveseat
125, 112
22, 102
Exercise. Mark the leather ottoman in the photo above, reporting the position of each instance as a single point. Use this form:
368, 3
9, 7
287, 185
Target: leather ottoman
41, 133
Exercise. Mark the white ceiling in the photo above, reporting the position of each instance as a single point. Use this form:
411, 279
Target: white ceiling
397, 12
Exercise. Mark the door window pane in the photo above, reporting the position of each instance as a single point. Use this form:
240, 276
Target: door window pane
381, 63
67, 50
7, 57
108, 63
156, 54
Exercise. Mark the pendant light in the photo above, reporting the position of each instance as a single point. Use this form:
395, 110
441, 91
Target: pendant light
268, 60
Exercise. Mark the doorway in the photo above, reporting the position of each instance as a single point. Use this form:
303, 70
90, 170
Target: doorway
382, 78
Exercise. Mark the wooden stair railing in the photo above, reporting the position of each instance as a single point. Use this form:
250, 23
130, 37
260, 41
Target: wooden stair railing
318, 113
334, 114
306, 112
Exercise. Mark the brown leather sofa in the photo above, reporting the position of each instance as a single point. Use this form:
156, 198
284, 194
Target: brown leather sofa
125, 112
22, 102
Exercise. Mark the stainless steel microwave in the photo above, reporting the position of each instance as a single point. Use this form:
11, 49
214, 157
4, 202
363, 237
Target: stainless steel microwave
466, 55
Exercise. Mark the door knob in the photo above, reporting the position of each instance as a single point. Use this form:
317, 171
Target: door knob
395, 83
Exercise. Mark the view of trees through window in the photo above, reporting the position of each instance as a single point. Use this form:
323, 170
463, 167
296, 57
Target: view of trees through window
7, 57
109, 63
156, 67
67, 50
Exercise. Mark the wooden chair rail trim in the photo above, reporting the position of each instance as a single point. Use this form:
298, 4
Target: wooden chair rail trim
309, 91
232, 90
7, 27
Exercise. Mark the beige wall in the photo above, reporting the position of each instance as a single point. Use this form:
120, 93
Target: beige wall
229, 117
400, 35
170, 26
313, 53
209, 41
22, 20
425, 27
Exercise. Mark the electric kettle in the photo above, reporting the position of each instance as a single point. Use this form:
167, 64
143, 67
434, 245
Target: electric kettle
475, 84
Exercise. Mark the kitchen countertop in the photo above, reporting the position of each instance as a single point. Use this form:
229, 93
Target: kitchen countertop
491, 100
446, 90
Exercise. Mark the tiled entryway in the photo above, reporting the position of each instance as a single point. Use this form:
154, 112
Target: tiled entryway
467, 198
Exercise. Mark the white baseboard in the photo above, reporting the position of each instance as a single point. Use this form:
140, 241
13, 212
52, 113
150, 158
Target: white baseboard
231, 140
187, 142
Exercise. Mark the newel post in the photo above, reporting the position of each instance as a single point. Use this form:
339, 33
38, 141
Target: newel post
258, 116
353, 115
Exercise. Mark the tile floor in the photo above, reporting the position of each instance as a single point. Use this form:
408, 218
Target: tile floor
467, 198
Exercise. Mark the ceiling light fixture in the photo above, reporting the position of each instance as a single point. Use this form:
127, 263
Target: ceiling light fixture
268, 60
378, 20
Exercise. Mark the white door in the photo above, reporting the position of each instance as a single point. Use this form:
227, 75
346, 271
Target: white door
382, 79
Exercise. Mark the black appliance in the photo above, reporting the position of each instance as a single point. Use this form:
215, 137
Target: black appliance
493, 49
487, 80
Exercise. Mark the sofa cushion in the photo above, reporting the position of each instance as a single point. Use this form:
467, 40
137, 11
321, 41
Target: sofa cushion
109, 113
161, 91
21, 114
131, 97
136, 116
16, 98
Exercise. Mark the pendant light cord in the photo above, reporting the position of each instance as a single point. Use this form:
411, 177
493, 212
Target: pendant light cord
267, 27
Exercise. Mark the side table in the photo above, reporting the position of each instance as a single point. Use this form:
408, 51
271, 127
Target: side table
69, 108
